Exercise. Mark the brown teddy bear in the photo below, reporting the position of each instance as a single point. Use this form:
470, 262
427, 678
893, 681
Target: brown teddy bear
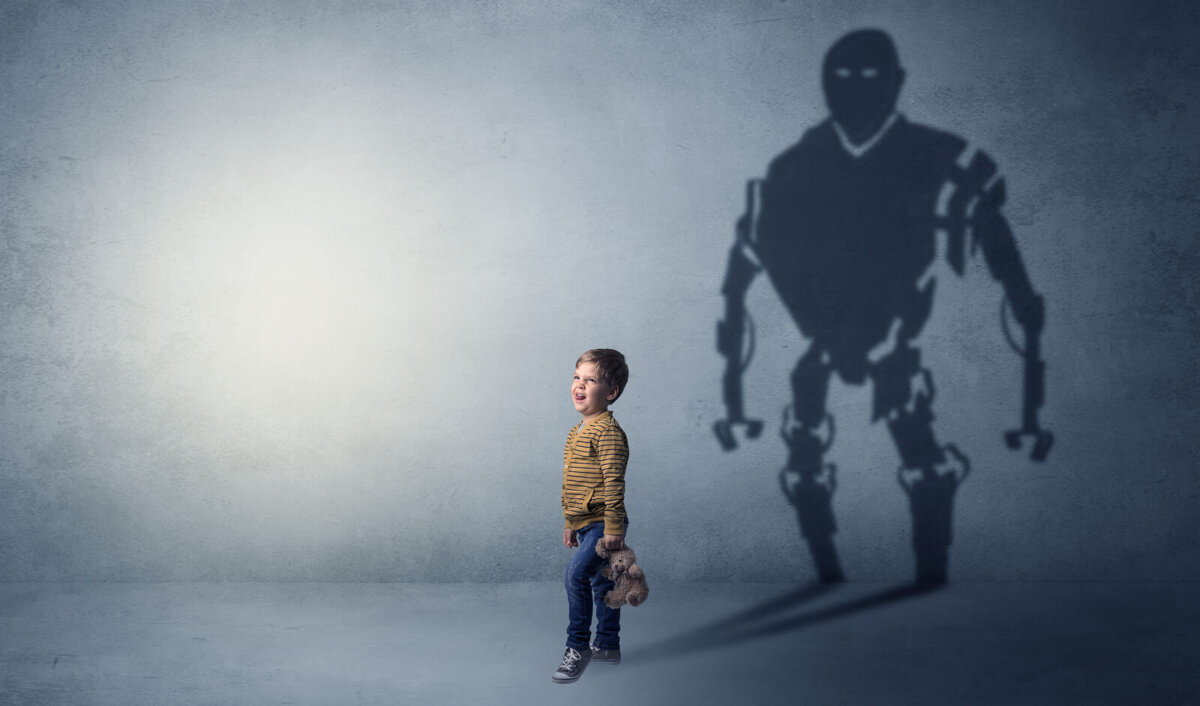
630, 582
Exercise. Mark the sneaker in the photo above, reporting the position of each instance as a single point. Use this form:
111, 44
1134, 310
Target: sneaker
573, 663
600, 656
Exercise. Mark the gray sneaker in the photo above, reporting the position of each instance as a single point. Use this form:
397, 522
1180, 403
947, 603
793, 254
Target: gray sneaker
600, 656
573, 663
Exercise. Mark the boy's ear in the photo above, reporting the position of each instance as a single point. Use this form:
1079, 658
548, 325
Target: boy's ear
612, 393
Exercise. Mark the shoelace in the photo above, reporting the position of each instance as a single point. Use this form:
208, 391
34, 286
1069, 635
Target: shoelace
570, 657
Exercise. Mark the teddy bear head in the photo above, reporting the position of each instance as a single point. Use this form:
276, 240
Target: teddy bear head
621, 560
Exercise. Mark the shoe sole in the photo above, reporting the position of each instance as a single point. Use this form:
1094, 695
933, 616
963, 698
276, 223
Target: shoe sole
597, 659
570, 680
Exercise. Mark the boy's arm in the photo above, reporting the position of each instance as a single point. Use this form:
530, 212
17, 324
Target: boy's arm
570, 539
614, 454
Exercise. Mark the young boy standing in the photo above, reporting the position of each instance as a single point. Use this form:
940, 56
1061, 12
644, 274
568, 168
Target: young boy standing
593, 501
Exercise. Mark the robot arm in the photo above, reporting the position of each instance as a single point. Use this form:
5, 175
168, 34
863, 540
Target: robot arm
737, 330
992, 235
740, 271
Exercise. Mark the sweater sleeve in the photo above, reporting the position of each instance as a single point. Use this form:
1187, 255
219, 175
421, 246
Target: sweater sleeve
613, 450
566, 460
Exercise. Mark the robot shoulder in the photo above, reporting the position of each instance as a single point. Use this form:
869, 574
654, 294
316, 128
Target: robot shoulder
806, 151
939, 146
968, 169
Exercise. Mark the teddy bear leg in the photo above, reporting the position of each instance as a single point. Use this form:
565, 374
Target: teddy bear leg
638, 595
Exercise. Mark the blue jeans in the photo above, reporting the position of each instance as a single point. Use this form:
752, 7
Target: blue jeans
585, 586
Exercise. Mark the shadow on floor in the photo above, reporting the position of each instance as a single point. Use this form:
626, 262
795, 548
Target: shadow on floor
773, 617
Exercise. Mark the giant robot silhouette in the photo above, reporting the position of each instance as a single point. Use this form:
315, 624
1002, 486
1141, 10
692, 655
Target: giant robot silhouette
846, 226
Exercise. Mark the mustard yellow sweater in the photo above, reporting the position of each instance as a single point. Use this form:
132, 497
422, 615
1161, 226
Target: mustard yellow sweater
593, 486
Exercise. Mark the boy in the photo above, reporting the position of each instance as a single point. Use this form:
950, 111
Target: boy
593, 501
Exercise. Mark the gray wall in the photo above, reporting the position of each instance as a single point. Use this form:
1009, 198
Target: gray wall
294, 291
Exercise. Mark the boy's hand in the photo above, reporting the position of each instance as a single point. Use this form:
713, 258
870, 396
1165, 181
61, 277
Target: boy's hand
613, 542
569, 538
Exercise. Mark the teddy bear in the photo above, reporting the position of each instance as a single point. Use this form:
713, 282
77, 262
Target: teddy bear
622, 568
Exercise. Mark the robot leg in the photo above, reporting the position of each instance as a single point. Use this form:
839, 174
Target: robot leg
930, 475
806, 481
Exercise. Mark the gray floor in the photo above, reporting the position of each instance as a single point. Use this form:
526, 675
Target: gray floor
245, 643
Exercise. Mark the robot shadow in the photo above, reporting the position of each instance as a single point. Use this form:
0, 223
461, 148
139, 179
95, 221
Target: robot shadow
775, 616
852, 226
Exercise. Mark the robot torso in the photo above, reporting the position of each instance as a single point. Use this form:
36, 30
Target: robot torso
846, 240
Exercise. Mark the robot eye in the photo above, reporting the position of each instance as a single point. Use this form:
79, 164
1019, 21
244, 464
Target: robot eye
843, 72
870, 72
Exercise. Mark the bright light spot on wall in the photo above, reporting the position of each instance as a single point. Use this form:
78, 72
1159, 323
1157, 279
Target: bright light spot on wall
285, 283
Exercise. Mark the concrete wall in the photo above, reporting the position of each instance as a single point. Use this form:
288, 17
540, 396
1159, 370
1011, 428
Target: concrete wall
294, 290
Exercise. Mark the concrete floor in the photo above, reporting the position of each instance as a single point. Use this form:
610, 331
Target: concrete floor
247, 643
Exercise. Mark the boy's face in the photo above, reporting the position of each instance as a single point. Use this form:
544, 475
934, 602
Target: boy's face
590, 393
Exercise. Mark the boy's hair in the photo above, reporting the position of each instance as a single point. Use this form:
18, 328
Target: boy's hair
610, 366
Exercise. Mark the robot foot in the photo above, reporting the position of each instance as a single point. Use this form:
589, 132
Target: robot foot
931, 565
825, 560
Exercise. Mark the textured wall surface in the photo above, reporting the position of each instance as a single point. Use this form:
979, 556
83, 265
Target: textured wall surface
294, 290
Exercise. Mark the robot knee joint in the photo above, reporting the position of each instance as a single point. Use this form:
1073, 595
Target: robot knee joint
798, 432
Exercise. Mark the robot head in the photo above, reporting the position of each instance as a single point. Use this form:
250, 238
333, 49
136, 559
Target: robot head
862, 78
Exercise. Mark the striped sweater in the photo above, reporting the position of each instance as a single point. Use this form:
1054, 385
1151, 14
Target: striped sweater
593, 486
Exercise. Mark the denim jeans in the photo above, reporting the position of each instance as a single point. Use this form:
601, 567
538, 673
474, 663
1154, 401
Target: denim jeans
585, 586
